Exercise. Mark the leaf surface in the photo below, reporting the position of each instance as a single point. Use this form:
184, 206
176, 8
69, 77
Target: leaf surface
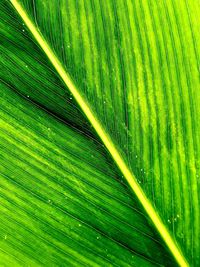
136, 66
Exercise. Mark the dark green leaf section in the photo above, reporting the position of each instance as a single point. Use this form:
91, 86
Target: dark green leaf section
59, 206
27, 70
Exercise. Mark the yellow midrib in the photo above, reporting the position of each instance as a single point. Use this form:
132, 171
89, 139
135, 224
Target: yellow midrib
176, 252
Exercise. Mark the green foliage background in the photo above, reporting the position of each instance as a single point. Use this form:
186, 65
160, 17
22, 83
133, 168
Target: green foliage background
63, 201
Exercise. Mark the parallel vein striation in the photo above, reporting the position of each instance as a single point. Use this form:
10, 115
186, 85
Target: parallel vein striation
73, 213
137, 65
104, 137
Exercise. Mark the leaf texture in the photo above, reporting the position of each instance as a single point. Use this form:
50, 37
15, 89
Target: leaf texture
136, 63
59, 205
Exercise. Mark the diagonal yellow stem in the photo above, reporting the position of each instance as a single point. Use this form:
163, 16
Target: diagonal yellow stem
176, 252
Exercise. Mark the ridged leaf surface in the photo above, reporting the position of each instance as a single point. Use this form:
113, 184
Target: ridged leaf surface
65, 200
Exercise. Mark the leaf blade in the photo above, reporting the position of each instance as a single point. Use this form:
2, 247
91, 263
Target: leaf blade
52, 210
105, 139
167, 183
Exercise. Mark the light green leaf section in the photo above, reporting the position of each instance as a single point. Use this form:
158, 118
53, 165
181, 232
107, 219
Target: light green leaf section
136, 63
61, 202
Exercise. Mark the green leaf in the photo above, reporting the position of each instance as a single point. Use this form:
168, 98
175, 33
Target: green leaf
99, 133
